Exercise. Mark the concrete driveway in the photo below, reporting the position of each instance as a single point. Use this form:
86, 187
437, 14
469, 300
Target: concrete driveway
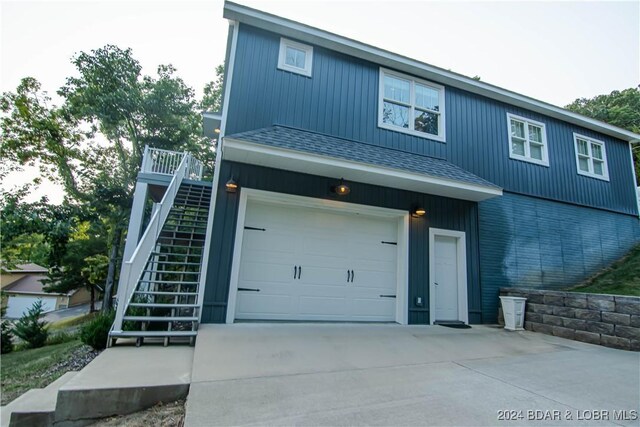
348, 374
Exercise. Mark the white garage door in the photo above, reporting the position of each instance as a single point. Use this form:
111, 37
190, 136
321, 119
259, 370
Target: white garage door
314, 264
18, 305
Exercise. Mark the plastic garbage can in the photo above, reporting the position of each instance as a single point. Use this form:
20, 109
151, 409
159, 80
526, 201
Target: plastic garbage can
513, 311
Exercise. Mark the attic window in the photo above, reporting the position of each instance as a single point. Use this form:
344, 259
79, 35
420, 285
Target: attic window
295, 57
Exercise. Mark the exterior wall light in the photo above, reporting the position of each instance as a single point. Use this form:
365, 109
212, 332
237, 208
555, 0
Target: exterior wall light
341, 189
418, 212
231, 185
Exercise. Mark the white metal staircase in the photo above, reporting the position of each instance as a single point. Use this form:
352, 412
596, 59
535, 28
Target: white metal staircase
159, 289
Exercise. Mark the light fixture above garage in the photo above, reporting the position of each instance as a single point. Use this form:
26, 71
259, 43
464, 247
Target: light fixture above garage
231, 185
418, 212
341, 189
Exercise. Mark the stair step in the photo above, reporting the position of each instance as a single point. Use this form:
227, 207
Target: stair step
191, 273
124, 334
169, 282
167, 245
162, 305
37, 406
175, 263
178, 294
161, 318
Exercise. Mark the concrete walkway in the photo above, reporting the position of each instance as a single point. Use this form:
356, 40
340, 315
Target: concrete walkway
346, 374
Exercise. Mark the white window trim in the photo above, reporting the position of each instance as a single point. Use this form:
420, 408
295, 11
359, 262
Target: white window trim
308, 64
605, 176
413, 80
527, 149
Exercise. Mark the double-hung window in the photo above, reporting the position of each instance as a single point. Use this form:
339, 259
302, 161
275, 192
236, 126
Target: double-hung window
295, 57
591, 157
527, 140
411, 106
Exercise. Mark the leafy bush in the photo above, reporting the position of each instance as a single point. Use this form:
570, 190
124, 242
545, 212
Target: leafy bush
6, 340
61, 337
96, 332
30, 328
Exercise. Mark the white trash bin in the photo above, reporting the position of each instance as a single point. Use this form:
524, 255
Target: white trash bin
513, 311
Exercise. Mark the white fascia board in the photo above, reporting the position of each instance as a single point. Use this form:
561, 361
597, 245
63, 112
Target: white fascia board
404, 64
296, 161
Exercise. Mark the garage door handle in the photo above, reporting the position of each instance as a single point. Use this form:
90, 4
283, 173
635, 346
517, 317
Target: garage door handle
352, 275
387, 296
348, 276
249, 289
295, 271
299, 272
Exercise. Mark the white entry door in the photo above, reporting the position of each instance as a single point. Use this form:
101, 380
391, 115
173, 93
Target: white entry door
300, 263
448, 290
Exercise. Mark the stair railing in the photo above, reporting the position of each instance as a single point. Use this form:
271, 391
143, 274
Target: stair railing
133, 268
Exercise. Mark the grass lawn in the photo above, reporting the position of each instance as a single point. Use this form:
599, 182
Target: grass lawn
621, 278
36, 368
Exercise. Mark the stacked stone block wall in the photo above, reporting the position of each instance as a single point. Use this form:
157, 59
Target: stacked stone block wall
608, 320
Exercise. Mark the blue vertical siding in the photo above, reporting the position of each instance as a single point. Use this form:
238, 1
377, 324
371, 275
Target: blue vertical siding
441, 213
535, 243
341, 99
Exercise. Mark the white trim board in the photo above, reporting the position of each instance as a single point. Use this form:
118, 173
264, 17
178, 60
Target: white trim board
402, 312
278, 158
461, 246
318, 37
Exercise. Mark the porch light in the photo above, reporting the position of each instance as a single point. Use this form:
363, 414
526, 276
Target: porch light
231, 185
418, 212
341, 189
216, 130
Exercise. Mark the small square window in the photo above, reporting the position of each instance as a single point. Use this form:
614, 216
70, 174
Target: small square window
527, 140
295, 57
591, 157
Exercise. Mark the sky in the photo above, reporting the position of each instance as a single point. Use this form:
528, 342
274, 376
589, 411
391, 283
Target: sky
554, 51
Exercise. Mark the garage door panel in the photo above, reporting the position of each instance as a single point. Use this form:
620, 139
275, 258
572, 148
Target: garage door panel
322, 306
253, 304
383, 308
263, 271
18, 305
326, 245
269, 241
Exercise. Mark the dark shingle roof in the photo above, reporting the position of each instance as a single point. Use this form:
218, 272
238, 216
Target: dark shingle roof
324, 145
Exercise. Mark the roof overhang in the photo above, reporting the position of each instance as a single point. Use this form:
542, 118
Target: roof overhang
296, 30
278, 158
211, 123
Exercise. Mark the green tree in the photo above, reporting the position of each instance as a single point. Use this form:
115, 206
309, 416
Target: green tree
619, 108
30, 328
109, 96
212, 99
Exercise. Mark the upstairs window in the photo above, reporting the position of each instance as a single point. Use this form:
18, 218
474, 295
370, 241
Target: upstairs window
411, 106
527, 140
591, 157
295, 57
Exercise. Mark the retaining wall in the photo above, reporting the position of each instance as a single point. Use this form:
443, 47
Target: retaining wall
608, 320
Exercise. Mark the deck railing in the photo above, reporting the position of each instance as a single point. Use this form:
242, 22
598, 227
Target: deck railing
165, 162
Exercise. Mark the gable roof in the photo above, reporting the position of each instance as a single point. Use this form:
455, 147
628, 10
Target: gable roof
29, 284
318, 37
354, 155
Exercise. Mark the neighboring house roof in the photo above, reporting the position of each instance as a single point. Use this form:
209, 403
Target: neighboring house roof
29, 284
301, 141
26, 268
318, 37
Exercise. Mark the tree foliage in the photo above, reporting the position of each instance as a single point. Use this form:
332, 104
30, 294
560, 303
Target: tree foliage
212, 100
619, 108
30, 328
93, 146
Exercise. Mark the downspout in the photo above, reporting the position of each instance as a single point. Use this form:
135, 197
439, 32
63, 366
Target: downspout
633, 169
